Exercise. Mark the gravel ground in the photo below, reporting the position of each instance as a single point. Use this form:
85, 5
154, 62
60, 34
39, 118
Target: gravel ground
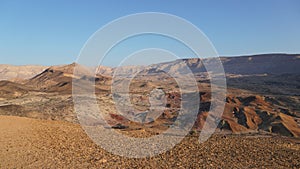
31, 143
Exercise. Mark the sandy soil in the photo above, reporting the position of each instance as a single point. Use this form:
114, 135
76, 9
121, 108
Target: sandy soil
31, 143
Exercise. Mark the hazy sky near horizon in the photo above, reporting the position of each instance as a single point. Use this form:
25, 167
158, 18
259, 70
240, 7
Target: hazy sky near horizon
51, 32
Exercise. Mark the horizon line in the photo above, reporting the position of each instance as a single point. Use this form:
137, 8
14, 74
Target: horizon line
221, 56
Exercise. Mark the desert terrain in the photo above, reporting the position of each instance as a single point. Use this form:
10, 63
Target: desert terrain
32, 143
259, 128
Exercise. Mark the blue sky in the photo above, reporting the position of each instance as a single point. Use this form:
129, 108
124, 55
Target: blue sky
51, 32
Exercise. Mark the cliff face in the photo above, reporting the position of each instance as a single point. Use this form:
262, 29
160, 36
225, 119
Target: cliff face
245, 65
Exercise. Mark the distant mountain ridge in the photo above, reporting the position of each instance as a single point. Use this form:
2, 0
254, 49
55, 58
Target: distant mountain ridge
11, 72
260, 64
244, 65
